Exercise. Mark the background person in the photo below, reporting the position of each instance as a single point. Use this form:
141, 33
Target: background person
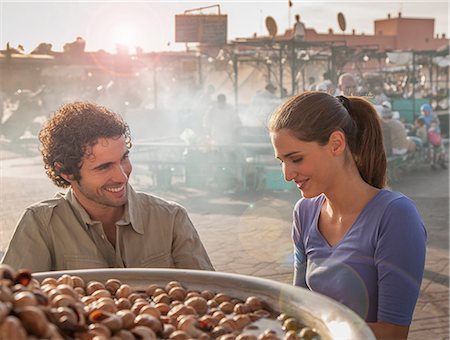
400, 142
100, 221
347, 85
299, 29
355, 241
221, 123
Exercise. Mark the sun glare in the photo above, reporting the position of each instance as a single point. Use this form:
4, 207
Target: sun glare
125, 34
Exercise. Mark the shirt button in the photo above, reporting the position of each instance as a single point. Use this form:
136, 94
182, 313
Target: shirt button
103, 236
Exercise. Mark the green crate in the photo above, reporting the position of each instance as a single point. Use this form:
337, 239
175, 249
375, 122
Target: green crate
274, 180
405, 108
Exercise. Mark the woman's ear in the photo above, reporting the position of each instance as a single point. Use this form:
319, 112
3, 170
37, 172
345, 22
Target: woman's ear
58, 168
337, 143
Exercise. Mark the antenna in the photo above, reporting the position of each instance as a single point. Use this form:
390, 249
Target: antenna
271, 26
341, 21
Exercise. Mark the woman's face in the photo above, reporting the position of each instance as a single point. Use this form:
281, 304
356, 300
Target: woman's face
308, 164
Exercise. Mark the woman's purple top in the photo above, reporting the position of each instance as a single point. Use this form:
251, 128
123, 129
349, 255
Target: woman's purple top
376, 269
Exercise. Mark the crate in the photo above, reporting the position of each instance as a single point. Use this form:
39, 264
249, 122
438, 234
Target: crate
409, 109
274, 180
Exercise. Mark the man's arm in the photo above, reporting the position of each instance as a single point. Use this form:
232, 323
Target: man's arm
187, 249
27, 248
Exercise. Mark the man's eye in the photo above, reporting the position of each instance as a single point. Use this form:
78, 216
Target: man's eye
297, 160
103, 167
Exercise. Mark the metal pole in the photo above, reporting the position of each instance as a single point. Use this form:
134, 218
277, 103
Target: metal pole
236, 84
281, 73
293, 68
200, 76
414, 86
155, 86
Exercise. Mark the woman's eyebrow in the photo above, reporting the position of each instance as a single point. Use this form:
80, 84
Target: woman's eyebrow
290, 154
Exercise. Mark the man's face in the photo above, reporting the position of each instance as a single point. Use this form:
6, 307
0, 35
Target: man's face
104, 175
348, 86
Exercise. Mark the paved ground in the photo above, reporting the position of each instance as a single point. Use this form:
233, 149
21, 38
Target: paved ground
250, 234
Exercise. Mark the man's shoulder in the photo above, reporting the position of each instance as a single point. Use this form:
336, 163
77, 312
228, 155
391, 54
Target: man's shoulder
156, 202
48, 204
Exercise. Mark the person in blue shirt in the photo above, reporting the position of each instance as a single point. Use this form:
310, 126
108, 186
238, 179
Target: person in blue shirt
428, 115
354, 240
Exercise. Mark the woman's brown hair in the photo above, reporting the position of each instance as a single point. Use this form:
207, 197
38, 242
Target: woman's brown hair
314, 116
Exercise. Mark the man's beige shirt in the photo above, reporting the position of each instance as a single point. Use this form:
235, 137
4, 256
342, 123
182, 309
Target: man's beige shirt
58, 234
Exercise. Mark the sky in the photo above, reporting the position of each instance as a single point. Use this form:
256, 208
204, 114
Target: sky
151, 24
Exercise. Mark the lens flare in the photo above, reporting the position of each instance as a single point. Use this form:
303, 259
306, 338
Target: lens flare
264, 235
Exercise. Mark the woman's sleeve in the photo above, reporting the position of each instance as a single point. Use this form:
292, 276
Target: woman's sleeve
299, 250
400, 260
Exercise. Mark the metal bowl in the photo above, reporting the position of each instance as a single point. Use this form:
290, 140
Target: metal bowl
331, 319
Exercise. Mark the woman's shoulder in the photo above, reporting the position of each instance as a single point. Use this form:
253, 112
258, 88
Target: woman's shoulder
387, 197
308, 207
309, 202
397, 208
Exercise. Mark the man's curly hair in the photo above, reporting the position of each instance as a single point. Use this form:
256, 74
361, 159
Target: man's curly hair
67, 135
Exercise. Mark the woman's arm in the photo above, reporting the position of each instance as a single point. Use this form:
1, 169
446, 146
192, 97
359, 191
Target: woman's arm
386, 330
400, 259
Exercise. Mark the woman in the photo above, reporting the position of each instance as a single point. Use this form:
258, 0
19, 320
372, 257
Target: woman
355, 241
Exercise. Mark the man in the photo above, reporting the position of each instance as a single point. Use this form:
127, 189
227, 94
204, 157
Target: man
299, 29
221, 122
399, 141
100, 221
347, 85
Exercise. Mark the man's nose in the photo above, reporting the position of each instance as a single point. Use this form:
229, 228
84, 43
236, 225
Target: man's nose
121, 174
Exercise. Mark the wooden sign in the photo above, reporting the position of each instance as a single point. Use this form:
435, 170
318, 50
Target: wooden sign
207, 29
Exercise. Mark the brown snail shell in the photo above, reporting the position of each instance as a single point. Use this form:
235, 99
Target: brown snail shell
171, 285
221, 297
144, 333
124, 334
65, 279
246, 337
181, 310
153, 311
148, 321
49, 281
291, 335
33, 320
179, 335
99, 329
112, 321
123, 303
226, 307
11, 328
307, 333
78, 282
163, 308
198, 303
177, 293
127, 317
6, 294
242, 320
123, 291
24, 299
94, 286
151, 289
112, 285
254, 303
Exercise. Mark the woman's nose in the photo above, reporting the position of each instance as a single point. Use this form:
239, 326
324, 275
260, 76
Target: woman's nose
288, 172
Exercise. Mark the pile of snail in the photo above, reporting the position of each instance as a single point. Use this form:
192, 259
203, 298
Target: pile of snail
69, 308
